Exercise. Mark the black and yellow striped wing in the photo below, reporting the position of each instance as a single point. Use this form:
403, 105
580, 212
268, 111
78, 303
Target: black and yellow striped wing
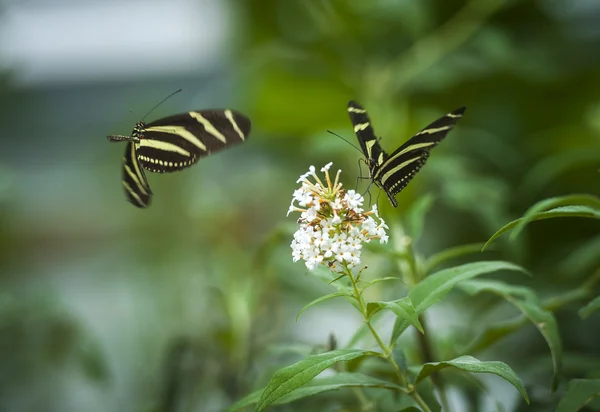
365, 134
135, 183
394, 171
176, 142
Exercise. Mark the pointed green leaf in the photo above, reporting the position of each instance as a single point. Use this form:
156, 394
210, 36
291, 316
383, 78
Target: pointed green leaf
434, 287
294, 376
505, 290
547, 204
563, 211
375, 281
471, 364
319, 300
403, 308
526, 301
321, 385
579, 393
591, 307
452, 253
545, 322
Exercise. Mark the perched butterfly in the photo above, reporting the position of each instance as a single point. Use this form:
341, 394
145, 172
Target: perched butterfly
392, 172
174, 143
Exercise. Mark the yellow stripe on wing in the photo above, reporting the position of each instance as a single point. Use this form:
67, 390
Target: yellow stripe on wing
360, 126
395, 169
179, 131
229, 116
165, 146
208, 126
133, 194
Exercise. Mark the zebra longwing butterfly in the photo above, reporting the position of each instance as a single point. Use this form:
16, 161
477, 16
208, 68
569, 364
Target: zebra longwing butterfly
392, 172
174, 143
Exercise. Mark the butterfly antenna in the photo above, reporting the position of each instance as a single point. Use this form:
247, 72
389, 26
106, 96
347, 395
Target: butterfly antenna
335, 134
161, 102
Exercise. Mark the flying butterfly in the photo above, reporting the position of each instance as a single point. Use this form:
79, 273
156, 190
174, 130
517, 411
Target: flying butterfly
174, 143
392, 172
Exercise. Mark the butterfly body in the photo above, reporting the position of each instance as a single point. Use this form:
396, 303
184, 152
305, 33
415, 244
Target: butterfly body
392, 172
174, 143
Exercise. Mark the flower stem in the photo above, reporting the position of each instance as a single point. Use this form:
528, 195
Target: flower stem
387, 352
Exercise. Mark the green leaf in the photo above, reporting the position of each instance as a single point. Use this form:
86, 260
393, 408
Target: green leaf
320, 385
471, 364
433, 288
545, 322
591, 307
292, 377
319, 300
585, 258
452, 253
548, 169
546, 204
415, 216
579, 393
373, 282
526, 301
403, 308
410, 409
564, 211
505, 290
495, 333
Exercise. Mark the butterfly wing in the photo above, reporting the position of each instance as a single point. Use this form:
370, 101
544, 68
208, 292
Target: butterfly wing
176, 142
134, 180
402, 165
366, 136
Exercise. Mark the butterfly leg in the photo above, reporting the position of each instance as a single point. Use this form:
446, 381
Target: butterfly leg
359, 174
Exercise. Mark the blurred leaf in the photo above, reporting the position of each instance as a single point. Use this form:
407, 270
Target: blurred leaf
402, 308
546, 204
471, 364
294, 376
579, 393
358, 336
374, 282
591, 307
415, 216
321, 299
499, 330
564, 211
494, 333
541, 318
320, 385
433, 288
410, 409
400, 358
427, 390
549, 168
584, 259
452, 253
473, 287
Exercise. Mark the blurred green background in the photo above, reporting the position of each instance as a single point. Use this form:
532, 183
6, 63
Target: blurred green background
184, 306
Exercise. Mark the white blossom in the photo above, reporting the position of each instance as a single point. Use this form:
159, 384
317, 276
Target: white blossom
333, 226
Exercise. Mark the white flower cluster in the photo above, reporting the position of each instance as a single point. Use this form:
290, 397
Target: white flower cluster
333, 224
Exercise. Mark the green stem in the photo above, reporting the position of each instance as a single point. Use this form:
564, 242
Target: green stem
387, 352
428, 356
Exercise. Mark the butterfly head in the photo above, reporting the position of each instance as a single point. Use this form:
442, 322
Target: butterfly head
138, 131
